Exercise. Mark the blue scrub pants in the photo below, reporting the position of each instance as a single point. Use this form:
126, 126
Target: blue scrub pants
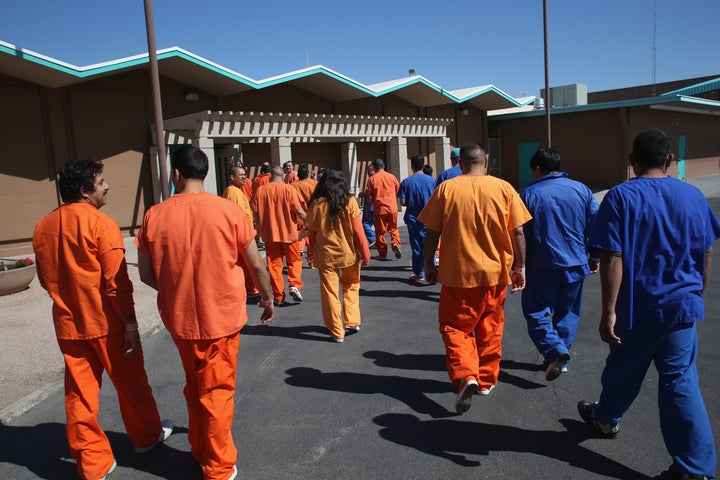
552, 312
368, 220
683, 417
416, 234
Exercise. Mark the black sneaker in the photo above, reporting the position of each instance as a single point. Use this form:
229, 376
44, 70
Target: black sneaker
396, 249
554, 369
586, 409
672, 473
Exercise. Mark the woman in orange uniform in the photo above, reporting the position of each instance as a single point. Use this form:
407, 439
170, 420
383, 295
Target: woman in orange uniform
339, 248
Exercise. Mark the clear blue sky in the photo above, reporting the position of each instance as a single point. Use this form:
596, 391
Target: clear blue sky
456, 44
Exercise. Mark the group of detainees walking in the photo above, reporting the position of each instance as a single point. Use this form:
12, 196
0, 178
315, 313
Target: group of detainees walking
651, 240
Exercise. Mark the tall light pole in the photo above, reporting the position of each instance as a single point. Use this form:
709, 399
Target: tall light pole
157, 104
548, 100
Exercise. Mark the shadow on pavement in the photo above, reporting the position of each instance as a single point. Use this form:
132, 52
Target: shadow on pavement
456, 440
316, 333
43, 450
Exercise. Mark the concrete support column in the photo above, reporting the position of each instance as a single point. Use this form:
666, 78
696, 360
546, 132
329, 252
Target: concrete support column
442, 153
398, 158
207, 145
280, 151
350, 166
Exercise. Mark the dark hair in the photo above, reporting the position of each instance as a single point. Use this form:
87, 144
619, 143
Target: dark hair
417, 162
547, 159
77, 174
303, 172
332, 187
651, 149
378, 163
472, 152
428, 170
265, 168
191, 162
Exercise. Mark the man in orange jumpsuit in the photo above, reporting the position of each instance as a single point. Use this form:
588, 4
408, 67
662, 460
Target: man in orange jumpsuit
262, 179
305, 187
278, 209
382, 188
480, 218
235, 192
80, 259
190, 249
291, 175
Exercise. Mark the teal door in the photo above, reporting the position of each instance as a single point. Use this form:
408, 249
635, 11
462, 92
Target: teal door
525, 152
681, 157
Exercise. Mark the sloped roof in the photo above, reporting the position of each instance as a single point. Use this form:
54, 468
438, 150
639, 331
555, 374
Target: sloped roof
698, 89
186, 67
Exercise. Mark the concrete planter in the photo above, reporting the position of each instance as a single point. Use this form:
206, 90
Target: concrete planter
16, 279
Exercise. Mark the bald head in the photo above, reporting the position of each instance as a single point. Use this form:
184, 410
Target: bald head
276, 174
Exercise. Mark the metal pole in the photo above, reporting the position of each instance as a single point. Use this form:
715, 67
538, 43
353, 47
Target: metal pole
548, 100
157, 104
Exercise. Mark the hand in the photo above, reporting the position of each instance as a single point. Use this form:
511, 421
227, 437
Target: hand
431, 274
594, 265
132, 343
607, 329
518, 281
364, 262
269, 310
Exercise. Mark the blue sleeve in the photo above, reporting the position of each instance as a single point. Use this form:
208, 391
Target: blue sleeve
607, 229
401, 192
712, 230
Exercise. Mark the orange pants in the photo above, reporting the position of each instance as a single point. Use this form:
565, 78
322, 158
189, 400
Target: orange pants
471, 326
386, 223
85, 361
210, 369
349, 279
274, 252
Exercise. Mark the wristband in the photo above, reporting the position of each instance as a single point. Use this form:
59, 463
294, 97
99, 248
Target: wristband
519, 270
131, 327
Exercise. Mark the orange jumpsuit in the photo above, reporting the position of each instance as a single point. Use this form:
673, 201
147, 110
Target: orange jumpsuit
194, 241
80, 260
476, 216
237, 195
291, 177
336, 258
276, 205
383, 188
306, 188
259, 181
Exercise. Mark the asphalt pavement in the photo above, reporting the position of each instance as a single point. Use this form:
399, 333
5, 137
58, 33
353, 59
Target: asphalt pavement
378, 405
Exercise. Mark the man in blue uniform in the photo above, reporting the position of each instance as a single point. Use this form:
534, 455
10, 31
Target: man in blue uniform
557, 258
452, 172
414, 193
656, 234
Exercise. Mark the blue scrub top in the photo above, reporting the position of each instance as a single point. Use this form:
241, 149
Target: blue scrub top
415, 190
662, 227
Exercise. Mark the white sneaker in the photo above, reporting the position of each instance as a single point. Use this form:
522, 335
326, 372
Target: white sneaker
353, 328
338, 339
167, 429
234, 474
112, 469
486, 390
464, 397
295, 293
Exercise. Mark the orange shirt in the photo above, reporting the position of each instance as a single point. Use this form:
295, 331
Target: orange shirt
305, 188
277, 204
195, 241
80, 260
475, 215
259, 181
237, 195
247, 189
334, 245
291, 177
383, 188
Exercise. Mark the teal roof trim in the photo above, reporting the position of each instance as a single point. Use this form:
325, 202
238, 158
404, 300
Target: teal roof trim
659, 100
170, 53
313, 71
698, 89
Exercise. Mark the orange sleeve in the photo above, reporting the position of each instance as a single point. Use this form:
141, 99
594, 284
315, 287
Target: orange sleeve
117, 286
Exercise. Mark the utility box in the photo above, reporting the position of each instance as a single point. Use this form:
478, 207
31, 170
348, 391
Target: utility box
567, 95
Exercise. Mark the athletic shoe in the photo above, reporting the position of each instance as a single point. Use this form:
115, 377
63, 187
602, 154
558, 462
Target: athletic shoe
486, 390
563, 369
281, 303
416, 278
234, 474
112, 469
338, 339
167, 429
372, 245
554, 369
587, 413
295, 293
464, 397
672, 473
396, 249
352, 328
